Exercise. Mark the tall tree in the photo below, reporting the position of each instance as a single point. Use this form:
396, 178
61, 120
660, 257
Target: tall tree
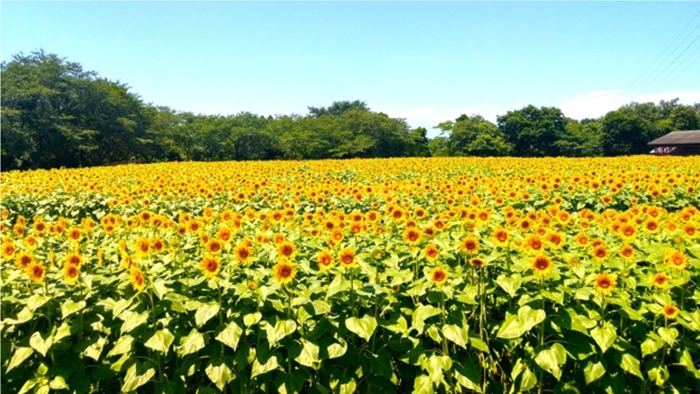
533, 131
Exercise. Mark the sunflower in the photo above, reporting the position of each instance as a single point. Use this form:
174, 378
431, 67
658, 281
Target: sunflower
30, 242
243, 253
213, 246
438, 276
71, 273
138, 282
431, 252
469, 245
325, 261
74, 234
23, 260
73, 259
670, 311
347, 258
555, 239
224, 234
533, 244
627, 252
604, 283
628, 232
581, 239
690, 231
157, 244
599, 253
676, 260
652, 226
660, 280
8, 250
411, 236
210, 266
143, 246
284, 272
36, 272
477, 262
542, 265
286, 249
500, 237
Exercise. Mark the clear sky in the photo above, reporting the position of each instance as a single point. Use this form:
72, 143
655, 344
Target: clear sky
426, 62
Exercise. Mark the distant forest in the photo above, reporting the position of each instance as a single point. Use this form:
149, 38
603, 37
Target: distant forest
55, 114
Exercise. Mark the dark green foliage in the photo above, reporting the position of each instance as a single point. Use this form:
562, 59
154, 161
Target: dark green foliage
55, 114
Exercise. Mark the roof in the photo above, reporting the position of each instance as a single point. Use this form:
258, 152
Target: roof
688, 137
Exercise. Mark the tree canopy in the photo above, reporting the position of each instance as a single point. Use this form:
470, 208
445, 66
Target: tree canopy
56, 114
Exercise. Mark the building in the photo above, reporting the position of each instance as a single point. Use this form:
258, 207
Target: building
677, 143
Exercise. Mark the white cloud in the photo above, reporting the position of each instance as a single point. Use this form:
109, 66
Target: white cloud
598, 103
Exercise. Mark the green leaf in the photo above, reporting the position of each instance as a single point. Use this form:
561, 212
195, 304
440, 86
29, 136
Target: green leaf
511, 327
134, 380
363, 327
478, 344
422, 385
687, 361
259, 369
122, 346
219, 374
280, 330
230, 335
160, 289
192, 343
70, 307
338, 285
62, 332
517, 325
337, 349
593, 371
509, 284
309, 354
133, 320
28, 385
629, 363
95, 349
252, 319
456, 334
669, 335
467, 375
552, 359
604, 336
160, 341
58, 383
36, 301
651, 346
21, 354
206, 312
38, 343
421, 314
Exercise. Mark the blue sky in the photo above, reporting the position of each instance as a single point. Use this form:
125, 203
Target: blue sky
426, 62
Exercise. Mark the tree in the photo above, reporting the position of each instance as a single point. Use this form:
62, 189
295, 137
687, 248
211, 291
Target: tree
685, 117
338, 108
533, 131
475, 136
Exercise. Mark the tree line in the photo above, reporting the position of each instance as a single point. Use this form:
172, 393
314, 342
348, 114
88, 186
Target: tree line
55, 114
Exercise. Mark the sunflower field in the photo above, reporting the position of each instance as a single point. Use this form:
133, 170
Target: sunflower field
447, 275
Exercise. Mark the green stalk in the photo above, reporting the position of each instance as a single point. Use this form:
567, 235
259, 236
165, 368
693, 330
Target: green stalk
445, 345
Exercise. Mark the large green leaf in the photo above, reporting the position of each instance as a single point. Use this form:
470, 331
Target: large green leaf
509, 284
70, 307
122, 346
135, 379
517, 325
629, 363
422, 385
651, 345
259, 369
95, 349
363, 327
133, 320
192, 343
593, 371
459, 336
38, 343
337, 349
160, 341
206, 312
669, 335
230, 335
604, 335
220, 374
421, 314
21, 354
252, 319
36, 301
281, 329
552, 359
309, 354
